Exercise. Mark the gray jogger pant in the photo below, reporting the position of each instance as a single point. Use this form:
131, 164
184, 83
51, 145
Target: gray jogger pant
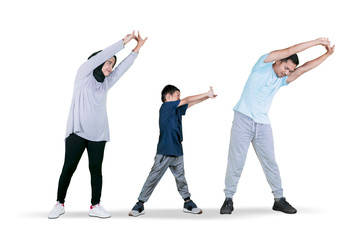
161, 164
244, 131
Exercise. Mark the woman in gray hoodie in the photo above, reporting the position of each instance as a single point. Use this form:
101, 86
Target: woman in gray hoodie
87, 126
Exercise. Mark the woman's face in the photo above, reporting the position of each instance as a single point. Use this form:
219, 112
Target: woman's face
108, 66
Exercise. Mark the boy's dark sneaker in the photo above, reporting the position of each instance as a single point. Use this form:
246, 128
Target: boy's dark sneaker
190, 207
227, 207
137, 210
283, 206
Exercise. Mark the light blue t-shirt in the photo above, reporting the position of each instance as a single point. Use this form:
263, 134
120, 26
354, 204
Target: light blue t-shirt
259, 91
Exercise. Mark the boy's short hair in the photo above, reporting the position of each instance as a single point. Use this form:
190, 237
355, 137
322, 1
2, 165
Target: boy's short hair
168, 89
294, 58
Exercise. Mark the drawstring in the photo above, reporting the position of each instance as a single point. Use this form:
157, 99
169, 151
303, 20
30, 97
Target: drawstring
256, 130
255, 125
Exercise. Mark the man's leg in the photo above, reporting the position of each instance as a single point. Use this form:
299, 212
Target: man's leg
264, 147
263, 144
241, 134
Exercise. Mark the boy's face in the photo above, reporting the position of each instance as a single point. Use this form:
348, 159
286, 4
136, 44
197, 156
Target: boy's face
283, 69
174, 97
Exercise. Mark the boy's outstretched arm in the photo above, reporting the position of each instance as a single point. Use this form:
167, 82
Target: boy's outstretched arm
310, 64
286, 52
192, 100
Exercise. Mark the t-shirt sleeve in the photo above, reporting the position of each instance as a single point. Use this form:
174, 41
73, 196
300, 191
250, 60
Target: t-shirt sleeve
168, 107
183, 109
283, 81
260, 63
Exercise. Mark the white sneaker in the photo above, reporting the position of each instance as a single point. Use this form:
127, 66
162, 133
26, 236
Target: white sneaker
98, 211
57, 211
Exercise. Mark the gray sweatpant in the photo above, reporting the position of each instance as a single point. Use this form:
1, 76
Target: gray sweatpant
161, 164
244, 131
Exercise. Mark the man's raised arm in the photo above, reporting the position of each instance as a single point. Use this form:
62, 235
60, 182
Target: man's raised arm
286, 52
310, 64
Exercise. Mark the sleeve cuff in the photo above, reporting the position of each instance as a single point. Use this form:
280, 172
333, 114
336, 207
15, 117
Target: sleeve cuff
134, 54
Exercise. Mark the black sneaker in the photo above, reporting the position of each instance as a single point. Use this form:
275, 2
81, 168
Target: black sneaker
190, 207
137, 210
227, 207
283, 206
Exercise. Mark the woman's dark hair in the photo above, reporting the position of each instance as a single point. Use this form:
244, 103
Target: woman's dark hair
97, 73
168, 89
97, 53
294, 58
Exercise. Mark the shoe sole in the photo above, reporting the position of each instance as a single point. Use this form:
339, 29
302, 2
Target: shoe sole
57, 216
227, 212
279, 210
188, 211
93, 215
136, 215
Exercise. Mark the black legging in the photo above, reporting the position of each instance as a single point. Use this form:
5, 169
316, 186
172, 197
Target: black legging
74, 148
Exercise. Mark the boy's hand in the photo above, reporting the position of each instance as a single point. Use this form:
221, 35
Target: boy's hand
129, 37
192, 100
211, 93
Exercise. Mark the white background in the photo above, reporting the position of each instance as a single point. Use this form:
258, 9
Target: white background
193, 45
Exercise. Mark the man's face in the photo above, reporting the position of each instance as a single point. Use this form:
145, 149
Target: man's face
284, 68
108, 66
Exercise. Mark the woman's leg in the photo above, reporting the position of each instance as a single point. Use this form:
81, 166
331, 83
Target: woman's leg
74, 148
96, 155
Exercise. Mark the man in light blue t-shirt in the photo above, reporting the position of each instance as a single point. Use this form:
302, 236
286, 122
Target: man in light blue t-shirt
251, 122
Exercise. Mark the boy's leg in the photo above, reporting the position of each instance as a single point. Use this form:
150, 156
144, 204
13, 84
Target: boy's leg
96, 155
159, 168
241, 134
177, 169
74, 148
263, 144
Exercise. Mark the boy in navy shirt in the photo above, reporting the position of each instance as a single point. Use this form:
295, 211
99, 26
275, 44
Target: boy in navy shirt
169, 152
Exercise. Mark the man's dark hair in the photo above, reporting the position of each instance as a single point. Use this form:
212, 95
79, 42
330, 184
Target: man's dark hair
294, 58
168, 89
